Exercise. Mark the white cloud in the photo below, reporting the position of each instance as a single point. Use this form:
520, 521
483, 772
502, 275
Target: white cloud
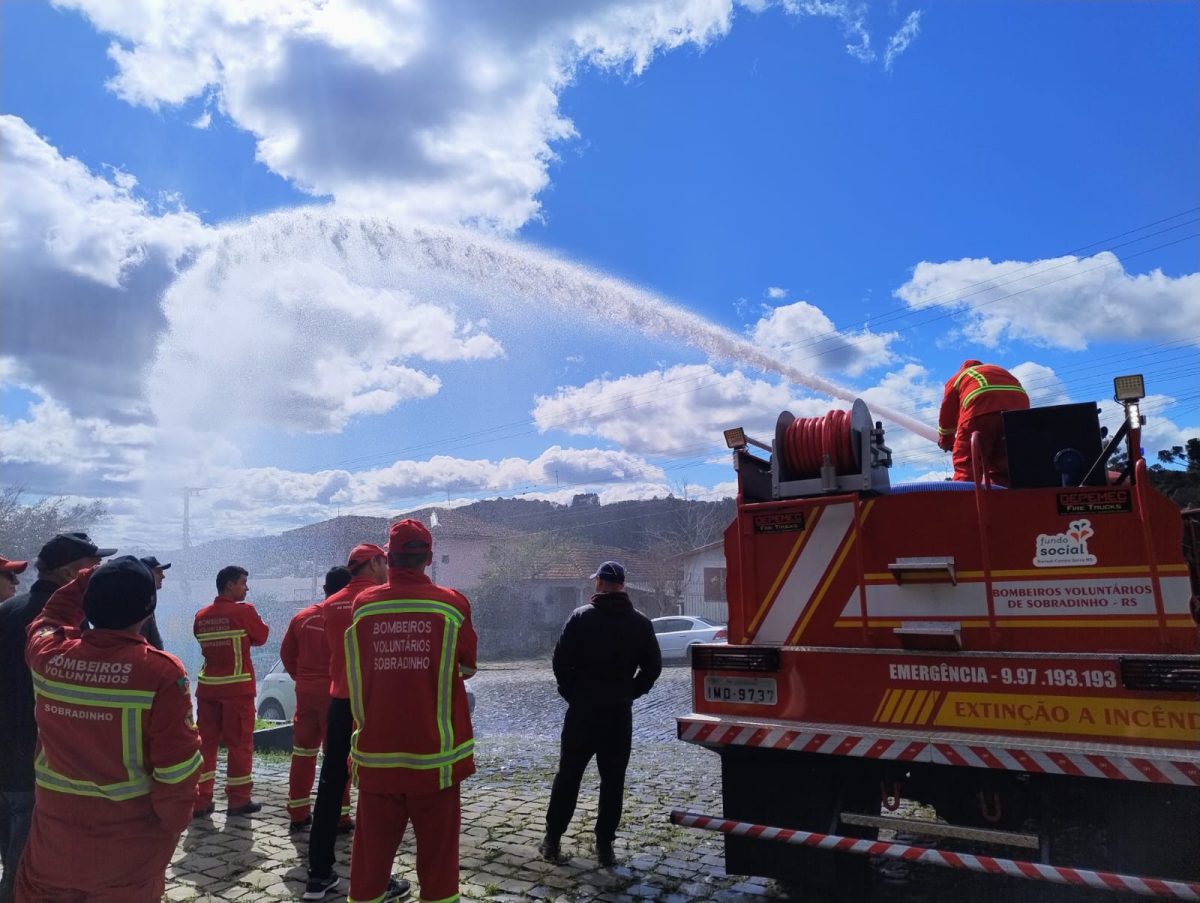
775, 293
804, 337
900, 41
680, 410
1063, 302
443, 111
1041, 384
84, 261
308, 337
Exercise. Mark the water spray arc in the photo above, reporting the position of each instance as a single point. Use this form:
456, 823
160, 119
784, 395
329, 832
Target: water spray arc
525, 271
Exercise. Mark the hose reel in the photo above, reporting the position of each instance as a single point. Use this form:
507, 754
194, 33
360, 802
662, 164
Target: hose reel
840, 451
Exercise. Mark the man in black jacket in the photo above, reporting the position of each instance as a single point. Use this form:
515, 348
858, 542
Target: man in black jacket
57, 564
606, 658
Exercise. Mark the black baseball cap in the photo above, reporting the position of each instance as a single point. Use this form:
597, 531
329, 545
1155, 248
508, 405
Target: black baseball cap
67, 547
119, 593
151, 562
610, 572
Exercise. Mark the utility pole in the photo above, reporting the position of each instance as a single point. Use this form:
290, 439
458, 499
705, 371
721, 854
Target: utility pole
188, 492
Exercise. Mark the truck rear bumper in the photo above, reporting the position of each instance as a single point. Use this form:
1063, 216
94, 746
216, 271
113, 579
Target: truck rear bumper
1121, 762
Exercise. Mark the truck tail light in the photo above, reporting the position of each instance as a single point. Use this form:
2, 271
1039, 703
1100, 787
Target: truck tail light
1179, 674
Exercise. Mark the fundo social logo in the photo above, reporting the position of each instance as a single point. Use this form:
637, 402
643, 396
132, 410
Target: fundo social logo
1069, 549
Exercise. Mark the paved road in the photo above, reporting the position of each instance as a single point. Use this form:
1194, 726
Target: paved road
517, 718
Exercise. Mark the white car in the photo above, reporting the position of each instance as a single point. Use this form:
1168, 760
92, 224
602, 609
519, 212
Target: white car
277, 695
677, 635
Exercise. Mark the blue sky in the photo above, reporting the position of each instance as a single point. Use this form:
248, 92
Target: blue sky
214, 215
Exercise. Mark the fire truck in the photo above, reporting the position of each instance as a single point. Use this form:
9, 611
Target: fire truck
1001, 679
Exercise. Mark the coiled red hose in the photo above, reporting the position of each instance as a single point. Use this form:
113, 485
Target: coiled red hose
809, 439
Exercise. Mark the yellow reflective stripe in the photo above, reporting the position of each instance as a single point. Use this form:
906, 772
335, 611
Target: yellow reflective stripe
296, 804
207, 776
231, 679
445, 681
235, 641
409, 606
345, 810
50, 779
84, 695
451, 899
971, 372
238, 781
372, 900
173, 774
353, 681
305, 753
967, 400
219, 635
416, 761
944, 432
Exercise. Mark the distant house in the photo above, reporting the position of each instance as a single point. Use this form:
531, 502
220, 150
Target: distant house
702, 590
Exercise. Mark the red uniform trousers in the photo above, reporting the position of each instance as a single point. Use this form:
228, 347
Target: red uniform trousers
308, 735
228, 720
990, 427
87, 850
382, 818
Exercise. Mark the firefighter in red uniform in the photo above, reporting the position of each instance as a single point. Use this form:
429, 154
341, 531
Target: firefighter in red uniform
119, 753
225, 693
367, 564
407, 653
305, 657
974, 399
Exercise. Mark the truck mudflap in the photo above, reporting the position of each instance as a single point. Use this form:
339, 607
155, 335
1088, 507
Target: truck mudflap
1157, 765
1016, 868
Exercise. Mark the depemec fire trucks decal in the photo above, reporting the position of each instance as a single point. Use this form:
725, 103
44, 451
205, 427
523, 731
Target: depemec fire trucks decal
1064, 550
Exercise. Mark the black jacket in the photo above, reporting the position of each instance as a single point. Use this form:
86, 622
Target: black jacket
18, 737
607, 654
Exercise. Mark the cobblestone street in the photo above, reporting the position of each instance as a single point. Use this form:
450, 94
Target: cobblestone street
517, 719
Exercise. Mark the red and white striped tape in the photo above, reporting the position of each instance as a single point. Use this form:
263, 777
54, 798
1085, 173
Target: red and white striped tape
1015, 868
873, 746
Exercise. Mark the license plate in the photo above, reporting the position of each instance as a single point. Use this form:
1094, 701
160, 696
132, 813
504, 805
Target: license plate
747, 690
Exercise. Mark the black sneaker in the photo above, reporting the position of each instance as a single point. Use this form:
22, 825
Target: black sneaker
605, 854
346, 827
550, 848
296, 827
398, 889
318, 888
205, 811
245, 809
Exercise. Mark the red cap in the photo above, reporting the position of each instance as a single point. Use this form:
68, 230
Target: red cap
408, 536
12, 567
365, 551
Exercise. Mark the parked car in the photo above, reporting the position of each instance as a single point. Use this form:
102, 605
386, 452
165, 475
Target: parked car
677, 635
277, 695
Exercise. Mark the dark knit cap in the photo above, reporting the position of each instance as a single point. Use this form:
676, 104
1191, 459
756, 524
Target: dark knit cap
119, 593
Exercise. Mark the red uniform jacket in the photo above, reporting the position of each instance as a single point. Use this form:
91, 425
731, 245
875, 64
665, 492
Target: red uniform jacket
337, 611
407, 653
304, 652
226, 631
974, 390
114, 714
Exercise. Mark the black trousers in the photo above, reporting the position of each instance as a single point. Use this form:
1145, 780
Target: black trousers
327, 811
607, 734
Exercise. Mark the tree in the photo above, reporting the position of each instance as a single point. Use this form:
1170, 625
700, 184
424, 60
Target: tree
25, 528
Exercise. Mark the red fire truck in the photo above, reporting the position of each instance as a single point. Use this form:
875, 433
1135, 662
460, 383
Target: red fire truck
1005, 678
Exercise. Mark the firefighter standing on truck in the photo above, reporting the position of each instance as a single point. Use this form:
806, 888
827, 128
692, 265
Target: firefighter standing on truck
973, 401
226, 630
408, 650
305, 657
119, 753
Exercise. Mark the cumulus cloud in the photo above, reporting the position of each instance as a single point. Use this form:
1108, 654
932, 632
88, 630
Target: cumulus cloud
307, 338
775, 293
1063, 302
84, 262
446, 111
804, 337
679, 410
1041, 384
